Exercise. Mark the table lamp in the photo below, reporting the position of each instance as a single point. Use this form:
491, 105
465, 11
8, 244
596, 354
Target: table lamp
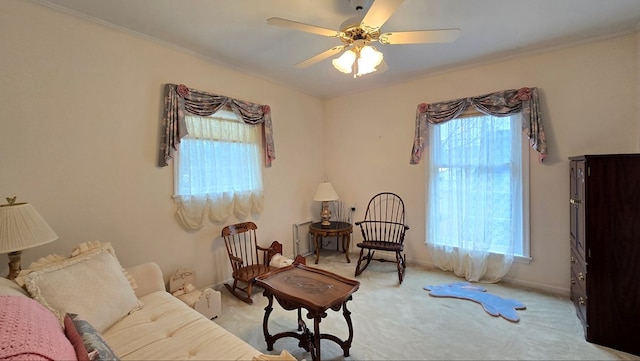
324, 194
21, 227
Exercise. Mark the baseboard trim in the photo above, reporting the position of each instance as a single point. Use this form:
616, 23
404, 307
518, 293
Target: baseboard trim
560, 291
555, 290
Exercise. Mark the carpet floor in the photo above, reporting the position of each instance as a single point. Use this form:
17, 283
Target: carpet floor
402, 322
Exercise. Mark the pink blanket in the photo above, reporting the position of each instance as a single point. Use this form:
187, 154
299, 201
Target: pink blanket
28, 331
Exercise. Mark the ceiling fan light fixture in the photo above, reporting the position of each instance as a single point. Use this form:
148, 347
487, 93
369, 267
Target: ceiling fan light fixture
344, 63
368, 60
364, 28
362, 60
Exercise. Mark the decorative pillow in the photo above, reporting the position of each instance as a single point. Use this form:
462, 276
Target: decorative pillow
76, 340
41, 263
29, 331
88, 246
93, 341
91, 284
78, 250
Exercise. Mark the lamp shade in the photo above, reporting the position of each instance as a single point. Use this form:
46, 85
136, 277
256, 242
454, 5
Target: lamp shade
22, 227
325, 192
368, 60
345, 62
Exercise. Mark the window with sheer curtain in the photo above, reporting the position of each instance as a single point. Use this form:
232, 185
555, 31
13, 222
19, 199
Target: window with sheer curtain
218, 169
478, 195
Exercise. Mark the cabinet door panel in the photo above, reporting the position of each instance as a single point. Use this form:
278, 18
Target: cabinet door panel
573, 209
580, 209
605, 248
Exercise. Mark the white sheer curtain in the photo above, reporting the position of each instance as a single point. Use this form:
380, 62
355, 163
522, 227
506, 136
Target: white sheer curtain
218, 169
475, 196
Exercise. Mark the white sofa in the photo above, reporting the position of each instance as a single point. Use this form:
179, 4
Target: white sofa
161, 327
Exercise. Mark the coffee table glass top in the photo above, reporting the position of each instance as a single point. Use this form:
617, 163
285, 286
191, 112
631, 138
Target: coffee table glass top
333, 226
311, 287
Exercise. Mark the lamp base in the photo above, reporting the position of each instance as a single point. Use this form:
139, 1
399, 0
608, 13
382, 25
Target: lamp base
14, 264
325, 214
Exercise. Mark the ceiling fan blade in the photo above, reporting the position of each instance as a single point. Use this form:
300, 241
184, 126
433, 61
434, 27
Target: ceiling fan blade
420, 37
379, 12
321, 56
302, 27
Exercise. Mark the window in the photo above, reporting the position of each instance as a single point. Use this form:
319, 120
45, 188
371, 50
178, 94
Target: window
219, 158
478, 185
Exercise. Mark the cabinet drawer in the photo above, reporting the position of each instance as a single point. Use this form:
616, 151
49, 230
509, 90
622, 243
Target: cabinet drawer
580, 300
578, 272
579, 287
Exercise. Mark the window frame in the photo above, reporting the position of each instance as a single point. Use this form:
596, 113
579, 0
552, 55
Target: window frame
222, 115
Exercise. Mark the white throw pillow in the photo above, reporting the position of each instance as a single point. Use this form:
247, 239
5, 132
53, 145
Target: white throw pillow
78, 250
91, 285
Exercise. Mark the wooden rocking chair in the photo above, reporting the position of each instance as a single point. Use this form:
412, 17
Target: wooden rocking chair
248, 259
383, 229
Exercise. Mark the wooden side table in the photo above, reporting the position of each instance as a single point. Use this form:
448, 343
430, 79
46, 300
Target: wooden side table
341, 230
298, 286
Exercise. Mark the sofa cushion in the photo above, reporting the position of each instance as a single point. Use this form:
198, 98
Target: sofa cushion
28, 331
91, 284
168, 329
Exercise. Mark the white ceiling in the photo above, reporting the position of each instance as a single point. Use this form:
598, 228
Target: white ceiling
235, 33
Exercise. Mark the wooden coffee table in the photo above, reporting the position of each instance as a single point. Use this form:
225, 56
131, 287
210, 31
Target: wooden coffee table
298, 286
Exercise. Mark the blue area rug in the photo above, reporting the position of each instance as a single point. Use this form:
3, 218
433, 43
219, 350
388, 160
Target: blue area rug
494, 305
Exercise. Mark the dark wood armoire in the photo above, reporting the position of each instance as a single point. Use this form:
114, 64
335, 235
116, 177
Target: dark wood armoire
605, 248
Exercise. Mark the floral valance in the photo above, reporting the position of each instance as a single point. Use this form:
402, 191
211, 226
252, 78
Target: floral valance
180, 100
498, 104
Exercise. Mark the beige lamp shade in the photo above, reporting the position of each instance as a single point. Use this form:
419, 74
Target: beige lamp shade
22, 227
325, 192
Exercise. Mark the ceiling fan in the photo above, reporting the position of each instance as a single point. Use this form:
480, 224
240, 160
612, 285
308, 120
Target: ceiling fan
358, 32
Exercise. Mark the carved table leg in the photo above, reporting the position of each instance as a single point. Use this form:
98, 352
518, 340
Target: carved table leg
346, 241
347, 316
315, 350
300, 322
267, 311
317, 239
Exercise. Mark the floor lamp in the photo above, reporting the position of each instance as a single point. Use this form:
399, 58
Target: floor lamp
21, 227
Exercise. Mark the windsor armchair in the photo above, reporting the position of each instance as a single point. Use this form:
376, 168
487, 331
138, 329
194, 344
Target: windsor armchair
383, 229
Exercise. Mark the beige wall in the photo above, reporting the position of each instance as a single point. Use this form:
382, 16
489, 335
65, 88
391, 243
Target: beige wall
80, 123
81, 110
588, 94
